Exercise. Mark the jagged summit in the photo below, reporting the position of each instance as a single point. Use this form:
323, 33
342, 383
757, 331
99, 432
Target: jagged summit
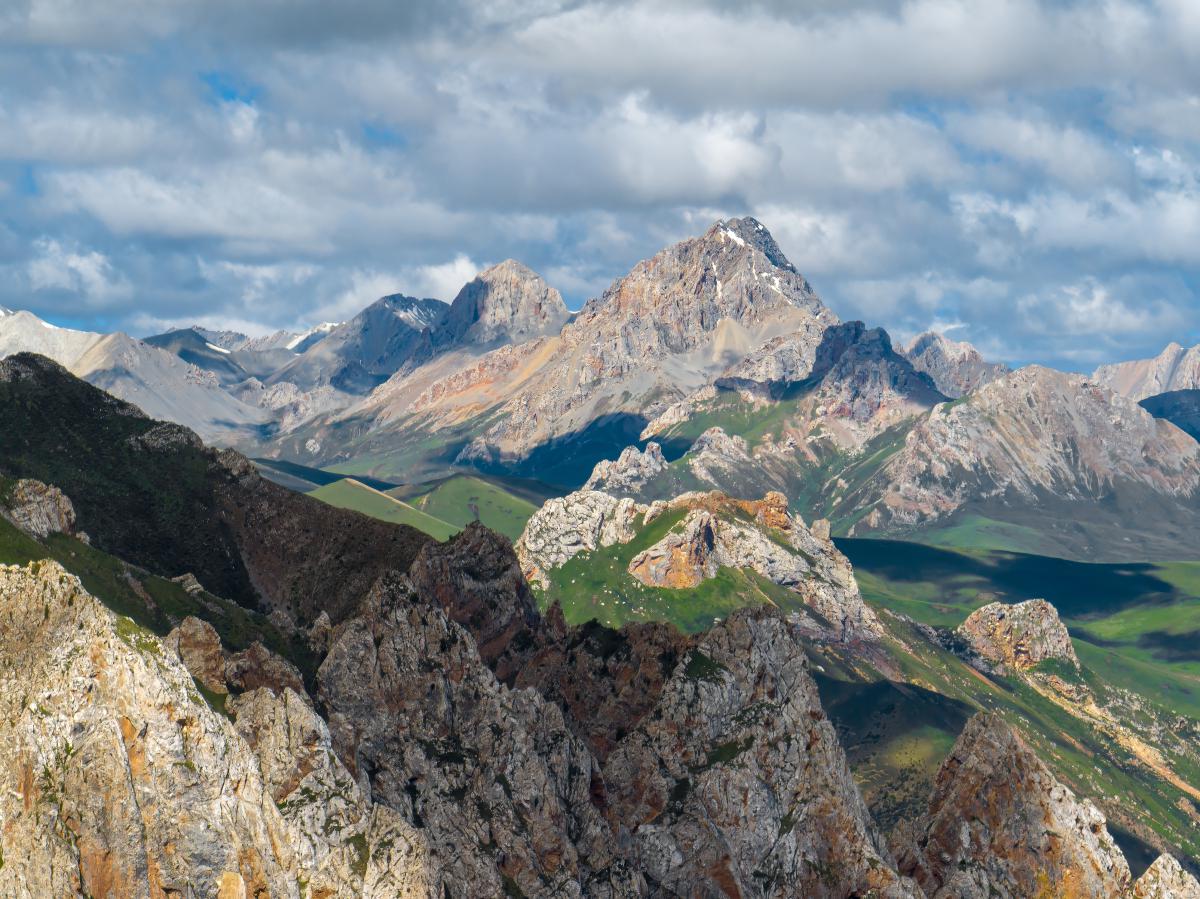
957, 368
507, 302
226, 340
1175, 368
750, 231
361, 353
1000, 824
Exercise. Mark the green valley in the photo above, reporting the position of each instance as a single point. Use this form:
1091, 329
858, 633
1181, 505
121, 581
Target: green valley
349, 493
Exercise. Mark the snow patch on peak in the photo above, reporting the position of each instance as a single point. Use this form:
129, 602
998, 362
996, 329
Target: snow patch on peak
323, 328
736, 238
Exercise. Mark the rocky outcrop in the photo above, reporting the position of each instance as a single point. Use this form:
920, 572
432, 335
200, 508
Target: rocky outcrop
716, 531
566, 526
736, 785
117, 779
630, 473
36, 508
956, 367
256, 667
476, 578
717, 458
1000, 824
1175, 368
1166, 879
1018, 637
199, 648
498, 783
507, 303
346, 845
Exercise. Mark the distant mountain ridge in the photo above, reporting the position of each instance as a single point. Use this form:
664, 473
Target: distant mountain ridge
1175, 368
716, 349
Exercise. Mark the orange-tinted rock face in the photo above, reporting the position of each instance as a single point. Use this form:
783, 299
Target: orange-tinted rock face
1018, 637
999, 823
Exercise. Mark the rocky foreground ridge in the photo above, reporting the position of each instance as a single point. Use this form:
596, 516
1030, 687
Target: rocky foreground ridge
455, 762
121, 781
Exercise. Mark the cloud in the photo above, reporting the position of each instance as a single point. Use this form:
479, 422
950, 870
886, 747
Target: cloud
84, 272
989, 163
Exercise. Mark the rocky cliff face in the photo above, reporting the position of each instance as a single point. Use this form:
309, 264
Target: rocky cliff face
37, 509
1000, 824
1035, 435
736, 785
1180, 407
1166, 879
1017, 637
956, 367
833, 391
629, 473
1175, 368
507, 303
118, 779
566, 526
631, 763
365, 351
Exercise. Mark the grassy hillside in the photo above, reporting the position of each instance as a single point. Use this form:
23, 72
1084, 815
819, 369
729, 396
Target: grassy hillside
597, 585
150, 493
462, 499
152, 602
1136, 630
349, 493
314, 477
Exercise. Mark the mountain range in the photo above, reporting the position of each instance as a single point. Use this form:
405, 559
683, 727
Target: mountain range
785, 608
714, 347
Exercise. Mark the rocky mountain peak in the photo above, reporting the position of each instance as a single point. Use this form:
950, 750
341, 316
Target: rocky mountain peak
1000, 824
750, 232
630, 472
508, 302
735, 271
955, 366
1018, 637
1175, 368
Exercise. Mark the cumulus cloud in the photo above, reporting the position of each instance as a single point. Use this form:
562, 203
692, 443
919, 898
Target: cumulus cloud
992, 165
87, 273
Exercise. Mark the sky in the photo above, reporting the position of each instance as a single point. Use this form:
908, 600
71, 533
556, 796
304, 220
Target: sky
1024, 175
